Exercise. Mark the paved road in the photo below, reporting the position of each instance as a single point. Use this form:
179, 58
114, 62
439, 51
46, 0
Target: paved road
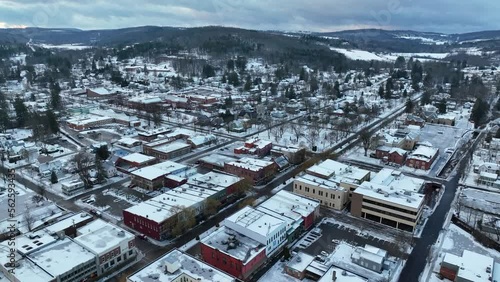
418, 257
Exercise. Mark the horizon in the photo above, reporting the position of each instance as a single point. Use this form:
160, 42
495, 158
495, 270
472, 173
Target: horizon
236, 27
439, 16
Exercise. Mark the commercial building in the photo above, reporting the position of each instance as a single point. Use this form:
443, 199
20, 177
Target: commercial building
151, 135
390, 205
233, 252
254, 170
113, 246
87, 122
470, 267
177, 266
215, 161
255, 147
157, 216
101, 93
330, 182
133, 162
423, 157
298, 212
153, 177
73, 187
391, 155
261, 227
369, 257
45, 258
166, 149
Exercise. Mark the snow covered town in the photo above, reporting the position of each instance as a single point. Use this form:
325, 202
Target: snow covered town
182, 164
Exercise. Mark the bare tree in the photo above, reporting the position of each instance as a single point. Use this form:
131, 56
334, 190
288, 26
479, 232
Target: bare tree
365, 137
185, 219
313, 130
211, 207
83, 163
297, 130
28, 218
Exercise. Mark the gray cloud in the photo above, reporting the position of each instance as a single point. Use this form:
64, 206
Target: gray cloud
448, 16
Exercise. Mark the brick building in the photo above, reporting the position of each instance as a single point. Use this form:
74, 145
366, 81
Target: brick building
391, 155
256, 147
423, 157
254, 170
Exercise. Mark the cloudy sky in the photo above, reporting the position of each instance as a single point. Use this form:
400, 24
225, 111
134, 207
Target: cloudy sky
449, 16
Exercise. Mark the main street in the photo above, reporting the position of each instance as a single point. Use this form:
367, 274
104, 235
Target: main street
152, 252
418, 258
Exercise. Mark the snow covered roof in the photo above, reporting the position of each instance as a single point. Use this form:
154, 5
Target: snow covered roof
348, 277
251, 164
243, 248
471, 266
217, 159
100, 237
171, 147
389, 194
257, 222
67, 222
290, 204
158, 170
128, 141
394, 178
137, 158
185, 266
202, 139
61, 257
424, 153
338, 172
300, 261
370, 253
84, 120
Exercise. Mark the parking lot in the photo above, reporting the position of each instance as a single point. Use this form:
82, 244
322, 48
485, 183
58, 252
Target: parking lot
331, 231
116, 199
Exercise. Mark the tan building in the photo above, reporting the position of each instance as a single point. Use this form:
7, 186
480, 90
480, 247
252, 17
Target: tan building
389, 205
331, 183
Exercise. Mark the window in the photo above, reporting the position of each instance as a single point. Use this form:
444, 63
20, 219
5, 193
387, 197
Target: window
307, 189
314, 191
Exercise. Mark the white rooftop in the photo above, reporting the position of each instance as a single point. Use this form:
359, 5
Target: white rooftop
391, 195
159, 169
338, 172
300, 261
424, 153
100, 237
472, 266
290, 204
251, 164
67, 222
348, 277
183, 265
61, 257
171, 147
244, 248
396, 179
138, 158
254, 220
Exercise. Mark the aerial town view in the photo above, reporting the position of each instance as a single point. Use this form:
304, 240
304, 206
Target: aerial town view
256, 141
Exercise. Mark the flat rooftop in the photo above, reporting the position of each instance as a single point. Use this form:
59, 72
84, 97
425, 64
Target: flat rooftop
101, 237
288, 204
217, 159
391, 195
67, 222
138, 158
251, 164
172, 147
394, 178
61, 257
185, 264
254, 220
338, 172
243, 248
472, 266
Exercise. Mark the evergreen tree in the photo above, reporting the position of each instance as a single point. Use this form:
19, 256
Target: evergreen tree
100, 171
248, 84
52, 123
479, 111
336, 89
426, 98
208, 71
442, 106
381, 92
21, 112
53, 178
409, 106
314, 84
